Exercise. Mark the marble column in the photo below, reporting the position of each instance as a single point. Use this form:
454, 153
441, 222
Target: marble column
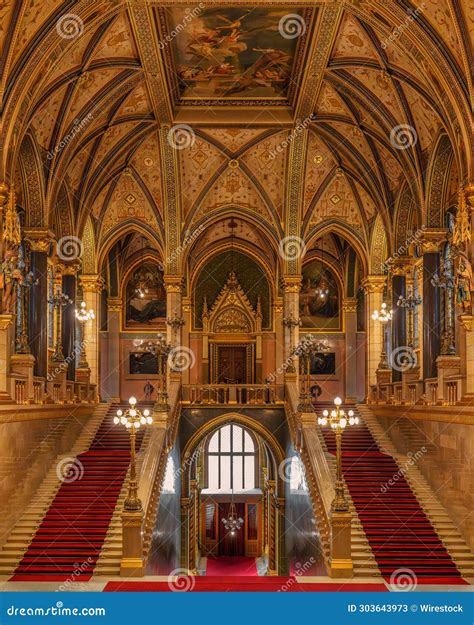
432, 327
399, 318
39, 240
110, 382
68, 334
277, 368
349, 308
184, 358
373, 285
466, 353
291, 315
92, 285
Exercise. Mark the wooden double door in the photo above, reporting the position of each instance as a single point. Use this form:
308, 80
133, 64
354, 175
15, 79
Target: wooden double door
217, 541
232, 364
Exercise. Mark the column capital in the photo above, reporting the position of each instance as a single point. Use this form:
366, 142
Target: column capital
173, 284
92, 283
40, 239
466, 322
114, 304
374, 283
433, 239
401, 265
349, 305
71, 268
291, 284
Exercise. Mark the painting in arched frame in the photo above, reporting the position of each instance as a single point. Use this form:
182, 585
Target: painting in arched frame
145, 297
319, 301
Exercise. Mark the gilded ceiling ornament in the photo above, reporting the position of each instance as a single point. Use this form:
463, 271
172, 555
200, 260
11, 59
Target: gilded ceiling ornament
11, 224
462, 225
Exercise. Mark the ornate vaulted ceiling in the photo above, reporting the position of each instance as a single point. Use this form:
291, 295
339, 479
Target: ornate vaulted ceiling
380, 91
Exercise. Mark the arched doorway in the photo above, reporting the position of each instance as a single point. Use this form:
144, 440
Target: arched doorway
231, 470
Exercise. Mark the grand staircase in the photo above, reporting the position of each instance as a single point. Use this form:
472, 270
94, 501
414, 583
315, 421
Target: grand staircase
398, 530
69, 538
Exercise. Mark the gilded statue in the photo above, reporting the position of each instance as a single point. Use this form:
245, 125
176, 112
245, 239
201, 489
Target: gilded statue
464, 284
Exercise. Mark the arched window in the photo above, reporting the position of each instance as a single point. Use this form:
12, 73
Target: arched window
231, 459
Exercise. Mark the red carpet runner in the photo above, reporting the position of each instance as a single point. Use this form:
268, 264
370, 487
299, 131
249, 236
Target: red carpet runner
231, 566
239, 584
398, 530
69, 540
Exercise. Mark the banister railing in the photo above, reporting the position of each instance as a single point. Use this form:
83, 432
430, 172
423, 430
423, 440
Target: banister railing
319, 475
225, 394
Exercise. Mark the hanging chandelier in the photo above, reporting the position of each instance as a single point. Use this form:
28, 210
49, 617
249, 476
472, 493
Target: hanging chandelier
232, 523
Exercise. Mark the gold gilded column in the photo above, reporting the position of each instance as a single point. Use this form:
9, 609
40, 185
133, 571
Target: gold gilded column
92, 285
373, 286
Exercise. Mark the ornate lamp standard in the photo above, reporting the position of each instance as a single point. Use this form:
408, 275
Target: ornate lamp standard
161, 349
384, 316
83, 316
447, 282
410, 302
306, 348
59, 300
291, 322
133, 419
338, 420
176, 323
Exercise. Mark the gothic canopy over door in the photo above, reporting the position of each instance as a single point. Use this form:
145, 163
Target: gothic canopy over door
232, 313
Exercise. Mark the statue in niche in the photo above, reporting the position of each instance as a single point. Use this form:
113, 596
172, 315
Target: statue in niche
146, 296
464, 284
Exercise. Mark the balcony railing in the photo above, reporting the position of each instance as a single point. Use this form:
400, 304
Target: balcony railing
233, 394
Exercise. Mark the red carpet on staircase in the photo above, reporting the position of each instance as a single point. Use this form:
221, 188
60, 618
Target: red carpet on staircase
69, 540
399, 532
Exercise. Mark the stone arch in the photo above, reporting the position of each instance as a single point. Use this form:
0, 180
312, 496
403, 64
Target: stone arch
232, 417
378, 247
89, 256
438, 181
32, 182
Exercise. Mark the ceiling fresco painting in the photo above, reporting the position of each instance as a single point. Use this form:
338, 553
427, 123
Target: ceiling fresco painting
237, 54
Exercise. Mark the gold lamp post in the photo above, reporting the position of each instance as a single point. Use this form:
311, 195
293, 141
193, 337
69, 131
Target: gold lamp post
384, 316
338, 420
83, 316
133, 419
